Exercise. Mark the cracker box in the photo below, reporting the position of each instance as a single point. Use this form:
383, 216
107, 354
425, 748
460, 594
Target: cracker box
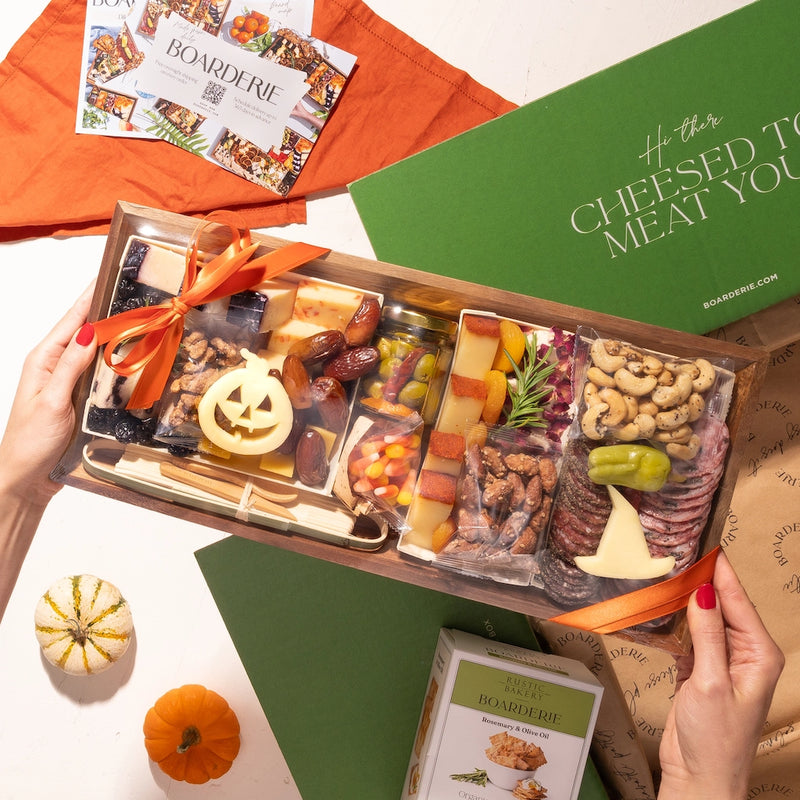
500, 721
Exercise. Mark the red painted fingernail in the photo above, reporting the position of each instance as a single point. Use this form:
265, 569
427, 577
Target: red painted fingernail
706, 597
85, 335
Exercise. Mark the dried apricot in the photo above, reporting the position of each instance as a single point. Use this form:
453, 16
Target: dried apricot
442, 534
512, 344
496, 388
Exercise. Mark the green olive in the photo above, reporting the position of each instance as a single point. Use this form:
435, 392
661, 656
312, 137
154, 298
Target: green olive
373, 388
384, 346
425, 367
401, 348
413, 394
388, 367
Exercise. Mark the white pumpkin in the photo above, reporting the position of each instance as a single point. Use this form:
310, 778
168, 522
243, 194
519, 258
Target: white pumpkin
83, 624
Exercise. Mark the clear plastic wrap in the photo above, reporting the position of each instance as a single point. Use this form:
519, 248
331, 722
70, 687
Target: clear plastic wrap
637, 410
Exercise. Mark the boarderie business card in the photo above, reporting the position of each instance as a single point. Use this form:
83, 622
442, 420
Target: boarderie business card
233, 87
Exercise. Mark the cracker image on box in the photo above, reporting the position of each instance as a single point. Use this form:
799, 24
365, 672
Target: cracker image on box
500, 721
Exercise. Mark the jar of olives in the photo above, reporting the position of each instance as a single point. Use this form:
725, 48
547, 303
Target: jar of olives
416, 350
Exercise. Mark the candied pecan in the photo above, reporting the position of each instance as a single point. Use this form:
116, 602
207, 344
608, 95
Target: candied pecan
474, 526
470, 492
517, 489
533, 494
496, 493
539, 518
523, 464
526, 542
474, 462
493, 460
549, 473
512, 527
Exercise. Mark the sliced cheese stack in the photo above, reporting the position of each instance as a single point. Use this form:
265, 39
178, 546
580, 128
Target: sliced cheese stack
434, 498
462, 405
316, 307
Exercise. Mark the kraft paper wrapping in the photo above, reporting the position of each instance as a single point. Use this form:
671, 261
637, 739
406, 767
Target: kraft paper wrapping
762, 541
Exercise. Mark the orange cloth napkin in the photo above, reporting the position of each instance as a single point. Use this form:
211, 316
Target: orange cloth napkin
401, 99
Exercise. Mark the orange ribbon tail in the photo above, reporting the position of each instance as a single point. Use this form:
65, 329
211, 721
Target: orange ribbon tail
642, 605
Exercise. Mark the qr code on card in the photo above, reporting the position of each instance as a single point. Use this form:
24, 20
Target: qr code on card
213, 93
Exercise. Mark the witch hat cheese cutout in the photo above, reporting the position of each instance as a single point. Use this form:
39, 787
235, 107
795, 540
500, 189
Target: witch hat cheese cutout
622, 552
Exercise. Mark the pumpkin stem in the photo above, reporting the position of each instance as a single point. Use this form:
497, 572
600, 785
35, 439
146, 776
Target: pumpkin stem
77, 632
191, 736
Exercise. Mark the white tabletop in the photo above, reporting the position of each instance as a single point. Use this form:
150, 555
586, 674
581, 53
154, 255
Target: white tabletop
81, 738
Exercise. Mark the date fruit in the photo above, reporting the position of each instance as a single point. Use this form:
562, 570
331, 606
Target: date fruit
319, 347
330, 402
311, 458
363, 323
351, 364
296, 381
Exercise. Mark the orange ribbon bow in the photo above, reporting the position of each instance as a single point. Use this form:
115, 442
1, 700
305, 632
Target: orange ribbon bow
642, 605
159, 328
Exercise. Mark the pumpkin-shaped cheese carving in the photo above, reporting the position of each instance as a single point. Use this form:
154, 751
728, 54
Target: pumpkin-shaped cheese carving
246, 411
83, 624
192, 734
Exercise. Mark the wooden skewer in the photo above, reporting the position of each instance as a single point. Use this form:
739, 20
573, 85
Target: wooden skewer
239, 480
221, 488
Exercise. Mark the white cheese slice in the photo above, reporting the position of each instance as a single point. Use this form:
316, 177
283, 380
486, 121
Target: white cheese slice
326, 305
161, 268
424, 516
458, 413
474, 353
622, 552
284, 336
280, 303
450, 466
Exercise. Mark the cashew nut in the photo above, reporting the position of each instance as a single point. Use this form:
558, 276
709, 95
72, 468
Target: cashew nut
665, 378
597, 376
631, 406
696, 405
703, 381
652, 365
648, 407
592, 421
607, 362
616, 406
679, 435
687, 451
690, 368
618, 348
674, 418
591, 394
678, 392
643, 426
629, 383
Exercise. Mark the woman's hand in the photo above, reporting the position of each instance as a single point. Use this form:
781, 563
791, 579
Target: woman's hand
42, 417
725, 690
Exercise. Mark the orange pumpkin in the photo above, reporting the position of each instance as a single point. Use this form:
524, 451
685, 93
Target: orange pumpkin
192, 734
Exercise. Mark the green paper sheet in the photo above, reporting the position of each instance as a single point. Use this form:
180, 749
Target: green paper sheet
662, 189
339, 660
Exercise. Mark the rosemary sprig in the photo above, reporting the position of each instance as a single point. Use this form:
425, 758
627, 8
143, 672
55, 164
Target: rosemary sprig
530, 389
477, 776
